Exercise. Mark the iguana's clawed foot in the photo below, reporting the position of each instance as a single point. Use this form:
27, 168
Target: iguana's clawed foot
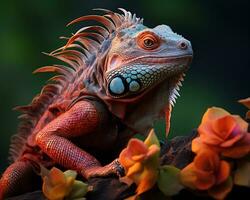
118, 168
114, 168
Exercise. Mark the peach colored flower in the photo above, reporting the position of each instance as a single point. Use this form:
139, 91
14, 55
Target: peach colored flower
246, 102
58, 185
140, 160
207, 172
225, 133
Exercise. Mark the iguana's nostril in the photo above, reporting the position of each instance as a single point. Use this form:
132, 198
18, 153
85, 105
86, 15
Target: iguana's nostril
183, 45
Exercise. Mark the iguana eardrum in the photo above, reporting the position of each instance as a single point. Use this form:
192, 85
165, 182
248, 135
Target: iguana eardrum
118, 78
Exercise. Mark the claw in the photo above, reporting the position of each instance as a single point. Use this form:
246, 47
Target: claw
113, 168
118, 168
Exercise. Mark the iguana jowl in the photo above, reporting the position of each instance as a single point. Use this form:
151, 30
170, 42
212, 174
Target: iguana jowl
119, 78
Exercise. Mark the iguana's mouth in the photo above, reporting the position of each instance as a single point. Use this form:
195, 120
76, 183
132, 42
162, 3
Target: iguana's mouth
160, 60
116, 62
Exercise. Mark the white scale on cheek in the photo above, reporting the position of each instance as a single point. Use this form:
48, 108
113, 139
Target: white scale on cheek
116, 86
128, 80
134, 86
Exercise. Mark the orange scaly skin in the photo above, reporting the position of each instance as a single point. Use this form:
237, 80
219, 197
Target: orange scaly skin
81, 119
119, 79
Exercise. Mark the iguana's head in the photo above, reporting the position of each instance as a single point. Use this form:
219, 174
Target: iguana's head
140, 58
127, 65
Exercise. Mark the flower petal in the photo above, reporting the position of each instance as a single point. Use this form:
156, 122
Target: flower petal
224, 126
125, 158
153, 150
248, 115
70, 174
245, 102
69, 183
242, 123
79, 190
148, 180
241, 175
207, 134
239, 150
139, 157
56, 176
220, 191
152, 139
169, 180
236, 152
205, 180
60, 191
57, 185
53, 192
214, 113
136, 147
188, 176
223, 172
136, 168
233, 140
47, 187
207, 160
197, 144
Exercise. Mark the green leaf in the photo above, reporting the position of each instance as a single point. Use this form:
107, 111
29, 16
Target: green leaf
70, 173
152, 139
79, 190
242, 175
169, 180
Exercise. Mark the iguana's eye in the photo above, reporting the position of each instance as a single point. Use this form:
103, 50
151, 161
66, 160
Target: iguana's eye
148, 41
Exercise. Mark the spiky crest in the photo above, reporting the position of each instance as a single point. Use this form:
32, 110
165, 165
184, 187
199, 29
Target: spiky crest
80, 54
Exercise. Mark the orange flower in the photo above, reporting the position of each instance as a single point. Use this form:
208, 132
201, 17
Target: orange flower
58, 185
246, 102
223, 132
140, 161
207, 172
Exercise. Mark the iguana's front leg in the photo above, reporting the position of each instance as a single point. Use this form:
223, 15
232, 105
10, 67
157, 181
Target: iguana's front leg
83, 118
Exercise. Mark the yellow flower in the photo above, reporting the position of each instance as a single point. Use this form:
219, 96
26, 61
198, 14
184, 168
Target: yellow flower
141, 162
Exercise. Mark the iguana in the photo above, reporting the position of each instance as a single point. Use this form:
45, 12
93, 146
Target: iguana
119, 77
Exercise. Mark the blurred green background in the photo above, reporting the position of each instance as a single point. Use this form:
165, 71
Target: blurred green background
218, 30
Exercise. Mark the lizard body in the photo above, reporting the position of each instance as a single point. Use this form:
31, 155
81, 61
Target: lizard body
119, 79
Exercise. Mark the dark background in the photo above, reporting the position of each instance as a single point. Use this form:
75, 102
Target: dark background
218, 30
